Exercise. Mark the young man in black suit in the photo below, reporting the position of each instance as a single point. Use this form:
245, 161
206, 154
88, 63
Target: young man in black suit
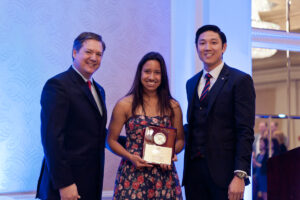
73, 121
219, 134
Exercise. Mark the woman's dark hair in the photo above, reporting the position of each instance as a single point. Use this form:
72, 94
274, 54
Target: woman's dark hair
163, 91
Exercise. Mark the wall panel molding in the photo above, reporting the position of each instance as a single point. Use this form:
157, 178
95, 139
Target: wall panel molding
274, 39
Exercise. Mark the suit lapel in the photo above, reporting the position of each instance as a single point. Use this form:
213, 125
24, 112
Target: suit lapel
215, 90
77, 79
100, 94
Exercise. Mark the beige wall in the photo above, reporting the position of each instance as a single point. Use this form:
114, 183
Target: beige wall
272, 98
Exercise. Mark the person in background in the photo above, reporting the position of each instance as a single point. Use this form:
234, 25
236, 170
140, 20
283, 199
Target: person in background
263, 132
275, 147
148, 102
260, 165
279, 135
73, 121
219, 133
274, 127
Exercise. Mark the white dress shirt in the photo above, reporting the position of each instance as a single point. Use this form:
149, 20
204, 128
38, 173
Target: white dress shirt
93, 90
214, 73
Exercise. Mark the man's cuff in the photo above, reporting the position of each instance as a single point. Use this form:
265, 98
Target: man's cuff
241, 171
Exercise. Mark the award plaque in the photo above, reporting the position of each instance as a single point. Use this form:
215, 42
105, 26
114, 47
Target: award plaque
159, 144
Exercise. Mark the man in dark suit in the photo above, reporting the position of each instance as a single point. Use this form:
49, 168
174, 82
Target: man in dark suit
219, 134
73, 120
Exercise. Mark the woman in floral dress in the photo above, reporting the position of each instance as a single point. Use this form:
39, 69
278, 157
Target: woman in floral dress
148, 102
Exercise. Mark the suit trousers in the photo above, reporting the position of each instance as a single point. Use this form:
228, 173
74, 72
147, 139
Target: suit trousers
200, 185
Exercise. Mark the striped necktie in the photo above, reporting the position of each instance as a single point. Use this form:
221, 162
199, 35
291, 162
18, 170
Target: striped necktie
206, 87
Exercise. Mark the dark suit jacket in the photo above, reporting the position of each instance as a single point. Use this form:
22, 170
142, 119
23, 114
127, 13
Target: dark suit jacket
230, 120
73, 137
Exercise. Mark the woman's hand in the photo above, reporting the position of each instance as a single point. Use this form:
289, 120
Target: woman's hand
139, 162
174, 159
169, 167
165, 167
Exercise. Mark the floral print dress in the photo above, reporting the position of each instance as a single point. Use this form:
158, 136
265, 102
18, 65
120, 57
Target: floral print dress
145, 183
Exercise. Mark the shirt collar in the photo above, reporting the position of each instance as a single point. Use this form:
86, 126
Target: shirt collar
215, 72
85, 79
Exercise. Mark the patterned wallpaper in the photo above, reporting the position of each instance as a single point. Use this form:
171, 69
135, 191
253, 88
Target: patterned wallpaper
35, 43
